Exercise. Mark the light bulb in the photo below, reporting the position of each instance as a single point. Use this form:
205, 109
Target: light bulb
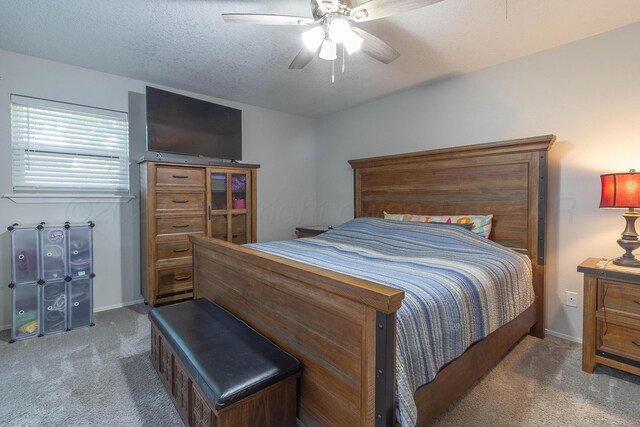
328, 50
352, 42
338, 30
313, 38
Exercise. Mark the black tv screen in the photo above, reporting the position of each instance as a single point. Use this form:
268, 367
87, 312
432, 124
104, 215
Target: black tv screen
183, 125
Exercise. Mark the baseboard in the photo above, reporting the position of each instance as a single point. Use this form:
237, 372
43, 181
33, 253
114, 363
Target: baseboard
95, 310
564, 336
119, 305
141, 301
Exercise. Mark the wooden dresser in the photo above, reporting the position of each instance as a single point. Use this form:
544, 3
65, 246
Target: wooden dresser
611, 326
179, 199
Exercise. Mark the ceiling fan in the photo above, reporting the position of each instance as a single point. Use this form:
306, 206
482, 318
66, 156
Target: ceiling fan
331, 26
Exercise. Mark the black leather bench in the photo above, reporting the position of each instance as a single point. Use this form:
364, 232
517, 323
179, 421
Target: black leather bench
218, 370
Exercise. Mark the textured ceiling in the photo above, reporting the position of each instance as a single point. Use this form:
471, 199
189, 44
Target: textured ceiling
185, 44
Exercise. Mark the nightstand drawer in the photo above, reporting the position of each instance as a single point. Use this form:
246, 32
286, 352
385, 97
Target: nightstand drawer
179, 177
179, 200
621, 340
619, 296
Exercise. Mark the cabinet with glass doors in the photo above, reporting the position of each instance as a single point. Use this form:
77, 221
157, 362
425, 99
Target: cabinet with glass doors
232, 204
179, 200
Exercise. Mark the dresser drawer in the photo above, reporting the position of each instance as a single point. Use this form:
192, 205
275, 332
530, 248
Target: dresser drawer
180, 225
621, 340
179, 177
172, 250
620, 296
173, 280
179, 200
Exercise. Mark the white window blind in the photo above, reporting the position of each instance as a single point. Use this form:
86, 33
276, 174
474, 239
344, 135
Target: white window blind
67, 148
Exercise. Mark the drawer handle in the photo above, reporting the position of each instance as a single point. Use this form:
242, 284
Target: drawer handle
180, 225
181, 176
636, 343
182, 279
181, 250
637, 301
180, 201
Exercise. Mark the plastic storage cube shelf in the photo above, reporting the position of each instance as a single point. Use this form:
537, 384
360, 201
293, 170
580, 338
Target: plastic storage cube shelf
80, 303
54, 307
26, 311
80, 244
51, 278
25, 265
54, 253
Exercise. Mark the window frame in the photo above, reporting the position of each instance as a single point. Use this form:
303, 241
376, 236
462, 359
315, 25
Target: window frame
85, 151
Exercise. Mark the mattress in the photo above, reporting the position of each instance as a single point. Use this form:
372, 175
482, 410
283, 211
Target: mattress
459, 287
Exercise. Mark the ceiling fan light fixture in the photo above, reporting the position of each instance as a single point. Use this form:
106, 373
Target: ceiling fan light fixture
339, 29
352, 42
333, 24
313, 38
360, 15
328, 51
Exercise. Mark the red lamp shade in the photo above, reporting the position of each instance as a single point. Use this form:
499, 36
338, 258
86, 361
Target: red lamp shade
620, 190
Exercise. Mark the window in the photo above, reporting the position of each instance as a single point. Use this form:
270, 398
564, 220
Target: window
68, 149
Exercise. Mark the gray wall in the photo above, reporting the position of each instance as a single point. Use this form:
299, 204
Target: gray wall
283, 144
587, 93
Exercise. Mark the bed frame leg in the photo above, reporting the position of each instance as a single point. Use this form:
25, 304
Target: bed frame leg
385, 366
538, 329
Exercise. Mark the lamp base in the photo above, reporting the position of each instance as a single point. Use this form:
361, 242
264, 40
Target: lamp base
629, 241
627, 262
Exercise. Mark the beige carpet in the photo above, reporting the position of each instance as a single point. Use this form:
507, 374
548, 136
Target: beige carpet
102, 376
99, 376
540, 383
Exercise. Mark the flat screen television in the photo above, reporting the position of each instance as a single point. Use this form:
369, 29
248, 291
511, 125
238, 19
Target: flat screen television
183, 125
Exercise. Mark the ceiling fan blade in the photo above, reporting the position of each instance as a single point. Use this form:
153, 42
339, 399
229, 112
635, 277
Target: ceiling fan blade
302, 59
320, 5
263, 19
376, 48
377, 9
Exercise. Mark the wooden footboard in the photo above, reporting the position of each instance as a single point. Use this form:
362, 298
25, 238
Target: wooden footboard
341, 328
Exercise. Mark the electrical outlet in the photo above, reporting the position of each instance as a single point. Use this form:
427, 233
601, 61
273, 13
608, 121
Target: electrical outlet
571, 299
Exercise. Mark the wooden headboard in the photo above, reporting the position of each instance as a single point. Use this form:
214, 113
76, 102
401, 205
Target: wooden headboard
506, 179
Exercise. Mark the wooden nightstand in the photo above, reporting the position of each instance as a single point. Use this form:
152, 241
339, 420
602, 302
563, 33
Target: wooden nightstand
611, 325
312, 230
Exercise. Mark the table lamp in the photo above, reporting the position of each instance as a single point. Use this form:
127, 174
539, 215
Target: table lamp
622, 190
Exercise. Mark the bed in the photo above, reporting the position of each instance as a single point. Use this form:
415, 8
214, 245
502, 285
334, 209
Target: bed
343, 328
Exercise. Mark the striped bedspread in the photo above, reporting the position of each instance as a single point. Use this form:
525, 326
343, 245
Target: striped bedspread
459, 287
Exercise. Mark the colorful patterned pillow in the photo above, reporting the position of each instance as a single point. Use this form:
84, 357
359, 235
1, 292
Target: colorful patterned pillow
481, 223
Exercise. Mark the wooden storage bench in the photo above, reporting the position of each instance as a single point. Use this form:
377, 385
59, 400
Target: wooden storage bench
218, 370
